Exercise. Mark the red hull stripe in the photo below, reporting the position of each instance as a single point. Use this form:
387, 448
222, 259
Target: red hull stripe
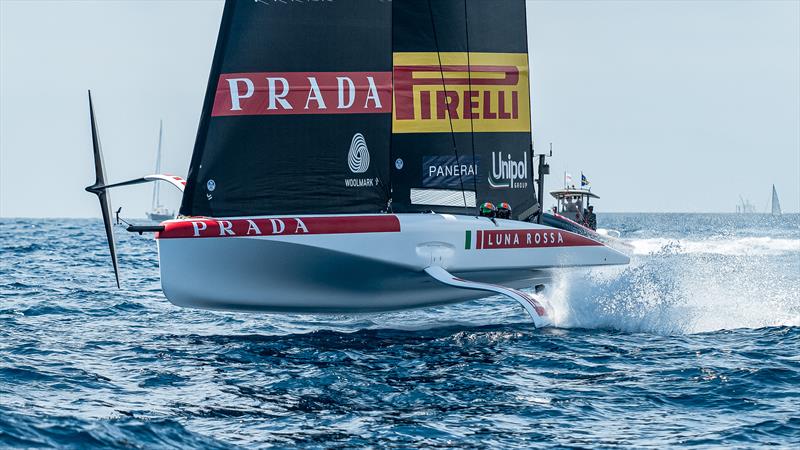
492, 239
203, 228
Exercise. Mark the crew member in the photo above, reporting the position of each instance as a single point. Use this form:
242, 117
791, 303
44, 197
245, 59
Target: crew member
504, 211
488, 210
591, 218
570, 207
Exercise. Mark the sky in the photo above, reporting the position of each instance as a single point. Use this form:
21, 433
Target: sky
666, 106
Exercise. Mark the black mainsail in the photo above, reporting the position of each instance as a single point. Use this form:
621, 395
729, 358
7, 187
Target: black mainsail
365, 106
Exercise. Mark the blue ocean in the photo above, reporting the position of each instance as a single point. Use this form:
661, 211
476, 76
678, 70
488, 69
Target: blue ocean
696, 343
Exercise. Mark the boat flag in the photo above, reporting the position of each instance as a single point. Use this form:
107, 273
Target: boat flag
567, 179
584, 181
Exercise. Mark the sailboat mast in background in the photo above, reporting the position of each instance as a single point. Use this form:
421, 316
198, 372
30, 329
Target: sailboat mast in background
156, 191
158, 212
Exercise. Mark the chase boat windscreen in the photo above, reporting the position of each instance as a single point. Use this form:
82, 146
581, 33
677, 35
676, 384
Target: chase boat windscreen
300, 114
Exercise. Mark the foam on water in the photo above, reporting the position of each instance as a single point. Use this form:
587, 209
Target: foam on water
685, 286
746, 246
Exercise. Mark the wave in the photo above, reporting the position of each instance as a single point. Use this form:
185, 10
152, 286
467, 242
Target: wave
691, 287
717, 245
28, 431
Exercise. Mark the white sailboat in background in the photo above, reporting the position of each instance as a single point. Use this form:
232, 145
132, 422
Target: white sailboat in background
776, 205
159, 212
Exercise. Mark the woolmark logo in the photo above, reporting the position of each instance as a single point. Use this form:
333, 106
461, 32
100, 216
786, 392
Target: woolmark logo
358, 156
358, 162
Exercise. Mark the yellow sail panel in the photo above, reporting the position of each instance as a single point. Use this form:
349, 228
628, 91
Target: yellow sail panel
460, 92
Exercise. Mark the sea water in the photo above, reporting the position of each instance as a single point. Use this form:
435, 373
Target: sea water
696, 343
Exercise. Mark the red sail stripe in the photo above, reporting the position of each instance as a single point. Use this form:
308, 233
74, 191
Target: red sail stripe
203, 227
243, 94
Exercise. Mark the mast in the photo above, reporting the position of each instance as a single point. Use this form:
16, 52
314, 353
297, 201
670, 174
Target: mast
156, 186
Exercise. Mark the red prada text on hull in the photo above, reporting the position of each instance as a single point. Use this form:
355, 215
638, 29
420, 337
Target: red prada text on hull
202, 228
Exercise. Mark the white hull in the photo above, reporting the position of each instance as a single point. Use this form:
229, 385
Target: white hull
348, 264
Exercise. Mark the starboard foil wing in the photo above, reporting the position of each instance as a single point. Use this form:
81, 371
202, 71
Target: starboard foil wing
535, 307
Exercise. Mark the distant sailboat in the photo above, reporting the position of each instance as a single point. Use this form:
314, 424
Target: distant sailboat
776, 205
745, 207
158, 212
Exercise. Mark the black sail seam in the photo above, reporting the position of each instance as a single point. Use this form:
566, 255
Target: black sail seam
447, 103
471, 126
530, 115
390, 189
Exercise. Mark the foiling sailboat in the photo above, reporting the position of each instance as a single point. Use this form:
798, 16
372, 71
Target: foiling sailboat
159, 212
341, 158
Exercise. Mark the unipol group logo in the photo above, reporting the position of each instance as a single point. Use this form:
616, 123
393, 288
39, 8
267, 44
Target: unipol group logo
480, 92
507, 172
358, 156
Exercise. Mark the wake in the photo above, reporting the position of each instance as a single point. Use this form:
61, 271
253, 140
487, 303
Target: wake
683, 287
718, 246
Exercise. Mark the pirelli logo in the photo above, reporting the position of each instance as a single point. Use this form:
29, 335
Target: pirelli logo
486, 93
